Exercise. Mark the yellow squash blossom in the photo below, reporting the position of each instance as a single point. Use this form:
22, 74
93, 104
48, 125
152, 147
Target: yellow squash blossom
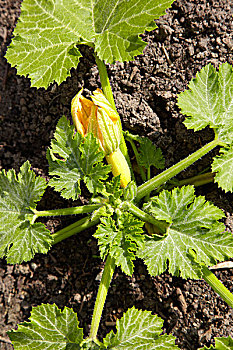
98, 117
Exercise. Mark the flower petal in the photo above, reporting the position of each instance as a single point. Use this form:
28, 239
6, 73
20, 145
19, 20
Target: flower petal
100, 100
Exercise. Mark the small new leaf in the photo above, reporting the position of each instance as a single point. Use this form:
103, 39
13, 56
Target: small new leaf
149, 155
46, 35
223, 166
113, 189
20, 237
139, 330
130, 192
221, 344
81, 160
192, 225
120, 240
49, 329
209, 101
88, 344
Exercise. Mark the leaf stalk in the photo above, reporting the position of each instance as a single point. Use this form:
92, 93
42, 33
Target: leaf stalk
217, 286
166, 175
68, 211
198, 180
133, 209
78, 226
101, 296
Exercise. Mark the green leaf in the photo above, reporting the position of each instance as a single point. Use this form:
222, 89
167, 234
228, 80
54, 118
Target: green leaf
45, 36
114, 191
139, 330
223, 166
119, 23
81, 160
130, 191
49, 329
209, 101
221, 344
105, 210
192, 225
20, 237
121, 240
48, 30
149, 155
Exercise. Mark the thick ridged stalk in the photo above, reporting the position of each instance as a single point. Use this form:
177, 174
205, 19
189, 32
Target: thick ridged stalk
198, 180
78, 226
166, 175
217, 286
101, 296
68, 211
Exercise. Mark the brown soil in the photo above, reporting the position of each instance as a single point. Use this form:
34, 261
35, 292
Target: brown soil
192, 34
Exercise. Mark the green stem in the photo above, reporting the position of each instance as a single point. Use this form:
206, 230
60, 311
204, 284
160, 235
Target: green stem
166, 175
133, 209
148, 178
105, 83
68, 211
74, 228
134, 148
217, 286
198, 180
101, 296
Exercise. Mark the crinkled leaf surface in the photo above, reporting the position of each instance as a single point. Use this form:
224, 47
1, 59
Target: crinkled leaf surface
192, 225
114, 191
223, 166
20, 238
81, 160
48, 30
221, 344
149, 155
49, 329
209, 101
139, 330
120, 240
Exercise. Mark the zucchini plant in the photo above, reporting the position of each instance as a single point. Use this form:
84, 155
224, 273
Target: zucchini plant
169, 229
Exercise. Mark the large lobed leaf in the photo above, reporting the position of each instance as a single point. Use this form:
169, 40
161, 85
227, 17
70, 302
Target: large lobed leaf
192, 225
20, 237
81, 160
52, 329
121, 240
48, 30
139, 330
209, 102
223, 166
49, 329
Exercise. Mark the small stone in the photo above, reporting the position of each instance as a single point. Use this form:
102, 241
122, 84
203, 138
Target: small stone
52, 278
33, 266
77, 298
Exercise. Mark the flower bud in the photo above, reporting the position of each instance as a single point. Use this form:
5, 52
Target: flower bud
98, 117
